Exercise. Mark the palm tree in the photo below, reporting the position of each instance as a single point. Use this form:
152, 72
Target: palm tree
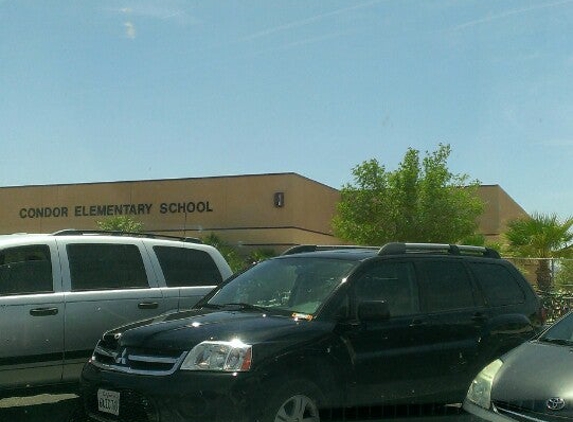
541, 236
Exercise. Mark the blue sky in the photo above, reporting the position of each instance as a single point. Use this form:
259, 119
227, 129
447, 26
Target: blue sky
95, 91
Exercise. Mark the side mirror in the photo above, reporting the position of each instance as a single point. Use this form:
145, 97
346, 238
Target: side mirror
373, 310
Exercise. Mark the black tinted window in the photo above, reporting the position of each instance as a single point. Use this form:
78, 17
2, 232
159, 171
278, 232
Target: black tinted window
562, 330
106, 266
393, 282
498, 285
448, 285
187, 267
25, 270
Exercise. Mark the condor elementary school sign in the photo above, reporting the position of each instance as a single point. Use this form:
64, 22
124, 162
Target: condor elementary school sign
114, 210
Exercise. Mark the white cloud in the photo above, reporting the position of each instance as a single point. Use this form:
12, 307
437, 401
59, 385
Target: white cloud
307, 21
165, 11
567, 143
169, 12
507, 14
130, 30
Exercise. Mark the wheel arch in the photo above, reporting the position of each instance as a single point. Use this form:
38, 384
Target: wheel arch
315, 368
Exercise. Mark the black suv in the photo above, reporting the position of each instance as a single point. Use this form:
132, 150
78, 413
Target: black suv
296, 337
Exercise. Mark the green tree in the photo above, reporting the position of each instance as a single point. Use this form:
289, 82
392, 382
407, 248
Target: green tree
121, 223
540, 236
563, 278
261, 254
421, 201
229, 252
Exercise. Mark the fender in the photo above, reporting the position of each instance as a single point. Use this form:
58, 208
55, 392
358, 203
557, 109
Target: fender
319, 363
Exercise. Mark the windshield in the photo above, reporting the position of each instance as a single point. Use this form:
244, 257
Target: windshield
296, 285
561, 332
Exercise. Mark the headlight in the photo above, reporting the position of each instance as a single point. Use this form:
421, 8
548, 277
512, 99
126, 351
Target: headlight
480, 388
230, 356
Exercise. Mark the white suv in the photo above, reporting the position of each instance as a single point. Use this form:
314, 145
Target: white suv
59, 292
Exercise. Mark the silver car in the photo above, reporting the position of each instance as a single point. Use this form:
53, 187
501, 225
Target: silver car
60, 292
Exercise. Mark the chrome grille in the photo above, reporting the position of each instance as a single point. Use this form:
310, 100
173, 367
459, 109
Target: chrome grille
137, 361
530, 411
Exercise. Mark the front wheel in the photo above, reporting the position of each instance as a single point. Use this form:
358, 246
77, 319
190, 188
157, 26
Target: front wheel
295, 402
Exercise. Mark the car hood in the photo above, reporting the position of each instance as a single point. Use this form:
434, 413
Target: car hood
183, 330
532, 374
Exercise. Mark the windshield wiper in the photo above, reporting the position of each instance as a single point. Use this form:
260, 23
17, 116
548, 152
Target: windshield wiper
245, 306
211, 306
558, 341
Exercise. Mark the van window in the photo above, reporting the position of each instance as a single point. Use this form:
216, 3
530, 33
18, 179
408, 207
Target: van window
26, 270
498, 285
448, 285
187, 267
393, 282
100, 266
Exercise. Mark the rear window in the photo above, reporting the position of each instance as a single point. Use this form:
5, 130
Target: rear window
187, 267
498, 285
101, 266
448, 285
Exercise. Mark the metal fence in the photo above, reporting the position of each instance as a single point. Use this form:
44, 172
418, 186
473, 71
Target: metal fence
552, 278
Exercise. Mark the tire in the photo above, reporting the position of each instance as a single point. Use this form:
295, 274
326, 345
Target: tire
297, 401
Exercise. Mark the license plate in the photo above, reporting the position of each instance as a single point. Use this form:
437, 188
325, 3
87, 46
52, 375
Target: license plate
108, 401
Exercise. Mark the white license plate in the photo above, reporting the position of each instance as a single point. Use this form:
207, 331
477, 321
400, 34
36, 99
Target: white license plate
108, 401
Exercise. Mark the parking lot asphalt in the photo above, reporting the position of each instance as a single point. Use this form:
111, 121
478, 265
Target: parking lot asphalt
40, 408
60, 407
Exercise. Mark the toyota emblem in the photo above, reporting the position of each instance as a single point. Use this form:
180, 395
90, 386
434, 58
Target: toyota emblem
555, 403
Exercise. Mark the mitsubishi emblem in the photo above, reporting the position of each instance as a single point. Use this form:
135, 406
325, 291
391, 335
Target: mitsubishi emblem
121, 359
555, 404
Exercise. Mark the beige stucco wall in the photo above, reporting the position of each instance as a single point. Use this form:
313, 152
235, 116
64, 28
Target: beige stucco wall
500, 208
240, 209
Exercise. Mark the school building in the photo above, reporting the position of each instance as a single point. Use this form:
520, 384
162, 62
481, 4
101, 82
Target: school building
250, 211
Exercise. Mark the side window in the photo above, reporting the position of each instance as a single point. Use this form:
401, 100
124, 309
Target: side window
187, 267
393, 282
448, 285
26, 270
99, 266
498, 285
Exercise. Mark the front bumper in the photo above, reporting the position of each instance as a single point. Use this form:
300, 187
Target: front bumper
182, 396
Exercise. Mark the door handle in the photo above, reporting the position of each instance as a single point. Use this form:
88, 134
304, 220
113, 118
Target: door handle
479, 317
43, 311
417, 322
148, 305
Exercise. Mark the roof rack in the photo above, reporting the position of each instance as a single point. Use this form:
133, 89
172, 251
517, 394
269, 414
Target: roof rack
399, 248
314, 248
70, 232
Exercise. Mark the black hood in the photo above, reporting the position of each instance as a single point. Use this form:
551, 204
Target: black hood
183, 330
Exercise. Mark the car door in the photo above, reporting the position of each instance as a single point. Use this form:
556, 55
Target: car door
31, 315
456, 319
109, 284
389, 357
